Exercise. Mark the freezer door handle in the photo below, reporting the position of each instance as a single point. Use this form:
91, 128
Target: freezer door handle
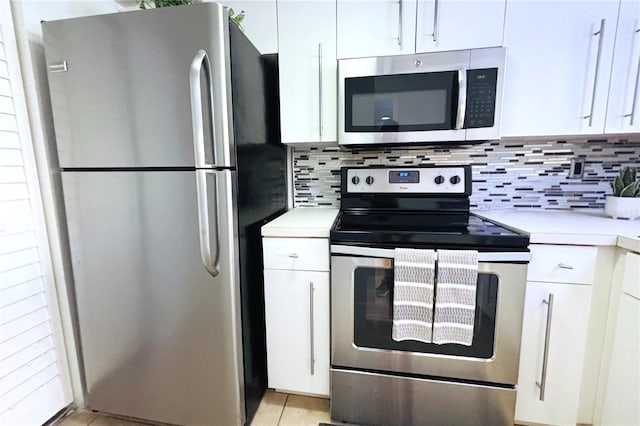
200, 61
209, 256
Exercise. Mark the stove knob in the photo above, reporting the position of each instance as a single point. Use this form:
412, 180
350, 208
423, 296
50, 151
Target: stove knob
455, 179
369, 180
355, 180
439, 179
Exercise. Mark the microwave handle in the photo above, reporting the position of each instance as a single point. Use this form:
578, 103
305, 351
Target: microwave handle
462, 97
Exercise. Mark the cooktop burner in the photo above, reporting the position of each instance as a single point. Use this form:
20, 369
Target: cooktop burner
417, 207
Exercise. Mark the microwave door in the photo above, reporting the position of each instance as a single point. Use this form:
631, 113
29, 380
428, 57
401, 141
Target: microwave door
402, 103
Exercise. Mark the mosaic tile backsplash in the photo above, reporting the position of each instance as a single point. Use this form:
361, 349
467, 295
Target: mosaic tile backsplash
506, 174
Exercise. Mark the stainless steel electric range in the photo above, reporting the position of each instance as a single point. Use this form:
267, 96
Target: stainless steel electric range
377, 380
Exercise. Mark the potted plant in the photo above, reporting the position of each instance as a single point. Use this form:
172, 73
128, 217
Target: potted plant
625, 201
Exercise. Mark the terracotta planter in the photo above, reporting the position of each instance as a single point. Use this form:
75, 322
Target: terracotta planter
622, 207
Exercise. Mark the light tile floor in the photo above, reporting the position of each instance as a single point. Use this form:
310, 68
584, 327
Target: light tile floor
281, 409
276, 409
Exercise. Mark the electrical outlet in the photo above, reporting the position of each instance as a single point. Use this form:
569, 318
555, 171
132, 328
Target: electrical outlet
576, 171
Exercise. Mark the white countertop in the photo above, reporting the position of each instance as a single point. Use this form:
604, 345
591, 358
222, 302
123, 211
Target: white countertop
301, 222
579, 227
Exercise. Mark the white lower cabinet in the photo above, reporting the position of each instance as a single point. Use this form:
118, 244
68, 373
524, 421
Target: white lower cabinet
620, 398
297, 323
564, 322
622, 395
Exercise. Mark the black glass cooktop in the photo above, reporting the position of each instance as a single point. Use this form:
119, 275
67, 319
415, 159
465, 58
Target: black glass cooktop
424, 230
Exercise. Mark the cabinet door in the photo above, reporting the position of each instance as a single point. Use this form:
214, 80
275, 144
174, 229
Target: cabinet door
567, 339
456, 24
297, 324
307, 58
622, 397
631, 274
376, 28
623, 113
260, 22
558, 66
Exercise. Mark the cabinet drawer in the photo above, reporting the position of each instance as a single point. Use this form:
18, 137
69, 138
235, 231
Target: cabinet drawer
562, 264
301, 254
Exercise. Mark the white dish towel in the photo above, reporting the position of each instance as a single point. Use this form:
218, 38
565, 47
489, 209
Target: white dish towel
455, 306
413, 290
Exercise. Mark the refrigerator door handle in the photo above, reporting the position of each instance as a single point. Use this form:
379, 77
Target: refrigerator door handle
199, 61
209, 257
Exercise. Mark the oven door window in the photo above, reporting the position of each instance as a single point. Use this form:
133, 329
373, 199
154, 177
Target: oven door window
373, 316
401, 102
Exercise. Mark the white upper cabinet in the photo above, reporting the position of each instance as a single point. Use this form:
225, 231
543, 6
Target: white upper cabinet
260, 22
459, 24
376, 28
559, 56
623, 114
307, 60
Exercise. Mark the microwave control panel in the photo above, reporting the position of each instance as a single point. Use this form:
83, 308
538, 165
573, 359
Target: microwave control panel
481, 98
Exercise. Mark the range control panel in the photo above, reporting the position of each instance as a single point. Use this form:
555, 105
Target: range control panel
410, 180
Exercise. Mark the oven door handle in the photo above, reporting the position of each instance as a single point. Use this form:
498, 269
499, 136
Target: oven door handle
517, 256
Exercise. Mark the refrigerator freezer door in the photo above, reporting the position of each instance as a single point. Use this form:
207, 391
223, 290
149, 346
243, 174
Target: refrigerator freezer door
160, 336
124, 97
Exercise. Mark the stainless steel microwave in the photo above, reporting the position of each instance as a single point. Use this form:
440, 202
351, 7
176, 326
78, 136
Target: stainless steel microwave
431, 97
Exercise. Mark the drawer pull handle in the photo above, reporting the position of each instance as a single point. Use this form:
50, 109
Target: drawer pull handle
293, 255
542, 384
565, 266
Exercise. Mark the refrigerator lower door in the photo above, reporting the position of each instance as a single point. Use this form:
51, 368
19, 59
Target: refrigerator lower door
160, 336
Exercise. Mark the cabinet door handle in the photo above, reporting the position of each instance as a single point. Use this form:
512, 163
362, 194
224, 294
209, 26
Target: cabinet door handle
564, 266
435, 21
542, 384
400, 23
312, 349
600, 34
293, 255
320, 118
632, 114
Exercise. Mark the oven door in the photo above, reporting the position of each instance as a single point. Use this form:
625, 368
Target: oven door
361, 321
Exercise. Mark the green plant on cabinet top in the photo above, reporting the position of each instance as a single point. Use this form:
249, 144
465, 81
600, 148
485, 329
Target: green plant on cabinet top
146, 4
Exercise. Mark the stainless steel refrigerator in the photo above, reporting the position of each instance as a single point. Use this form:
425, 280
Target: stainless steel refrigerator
167, 137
